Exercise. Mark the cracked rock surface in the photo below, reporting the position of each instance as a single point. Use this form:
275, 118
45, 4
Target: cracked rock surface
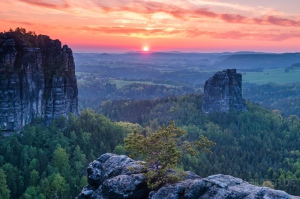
112, 177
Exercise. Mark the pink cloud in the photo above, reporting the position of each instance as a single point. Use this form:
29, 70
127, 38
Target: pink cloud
180, 12
41, 3
130, 31
236, 35
146, 8
19, 22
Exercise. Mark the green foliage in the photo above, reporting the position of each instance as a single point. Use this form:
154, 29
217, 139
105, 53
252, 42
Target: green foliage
120, 150
249, 143
58, 186
162, 151
4, 191
284, 97
50, 162
34, 178
15, 180
61, 159
93, 92
32, 192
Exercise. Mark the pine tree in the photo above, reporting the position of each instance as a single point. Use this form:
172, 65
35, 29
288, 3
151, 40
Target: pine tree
162, 151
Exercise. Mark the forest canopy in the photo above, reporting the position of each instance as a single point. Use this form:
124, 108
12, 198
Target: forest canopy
257, 145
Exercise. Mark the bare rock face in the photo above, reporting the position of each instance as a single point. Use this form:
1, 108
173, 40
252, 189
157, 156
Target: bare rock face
116, 177
37, 79
119, 177
223, 92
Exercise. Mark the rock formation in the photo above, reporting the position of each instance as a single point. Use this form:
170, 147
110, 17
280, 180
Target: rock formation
223, 92
37, 79
119, 177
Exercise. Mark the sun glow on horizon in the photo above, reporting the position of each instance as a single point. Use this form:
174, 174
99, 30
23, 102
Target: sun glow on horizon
145, 48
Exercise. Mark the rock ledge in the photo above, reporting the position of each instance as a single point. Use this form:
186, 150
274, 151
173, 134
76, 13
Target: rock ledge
112, 177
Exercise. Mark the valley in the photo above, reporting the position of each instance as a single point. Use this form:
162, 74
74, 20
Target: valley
122, 93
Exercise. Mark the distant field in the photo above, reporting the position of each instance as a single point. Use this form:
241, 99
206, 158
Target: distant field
121, 83
278, 76
81, 73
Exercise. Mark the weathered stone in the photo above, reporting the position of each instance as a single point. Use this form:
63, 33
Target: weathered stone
113, 176
86, 192
118, 180
125, 186
36, 80
223, 92
94, 174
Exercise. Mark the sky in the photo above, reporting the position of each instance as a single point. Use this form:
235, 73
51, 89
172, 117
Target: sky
161, 25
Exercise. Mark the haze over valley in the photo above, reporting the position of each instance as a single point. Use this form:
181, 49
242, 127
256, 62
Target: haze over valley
145, 75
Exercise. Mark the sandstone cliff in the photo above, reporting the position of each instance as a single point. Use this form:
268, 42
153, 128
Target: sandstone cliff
37, 79
119, 177
223, 92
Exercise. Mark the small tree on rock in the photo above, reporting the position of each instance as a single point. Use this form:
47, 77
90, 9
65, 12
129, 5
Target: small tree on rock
268, 184
162, 151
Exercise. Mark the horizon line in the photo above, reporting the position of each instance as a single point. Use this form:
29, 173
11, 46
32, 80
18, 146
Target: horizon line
186, 52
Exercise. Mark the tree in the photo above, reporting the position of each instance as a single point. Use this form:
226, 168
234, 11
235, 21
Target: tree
58, 185
268, 184
61, 159
4, 191
119, 150
32, 192
34, 178
14, 180
162, 151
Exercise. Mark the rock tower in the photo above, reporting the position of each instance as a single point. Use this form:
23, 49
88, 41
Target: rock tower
223, 92
37, 79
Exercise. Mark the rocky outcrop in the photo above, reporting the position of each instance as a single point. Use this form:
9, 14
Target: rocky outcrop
37, 79
223, 92
119, 177
113, 176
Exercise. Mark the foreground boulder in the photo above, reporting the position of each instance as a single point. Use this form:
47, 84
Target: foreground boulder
223, 92
117, 177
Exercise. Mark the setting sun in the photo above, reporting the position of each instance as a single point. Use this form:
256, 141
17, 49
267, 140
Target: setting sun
146, 48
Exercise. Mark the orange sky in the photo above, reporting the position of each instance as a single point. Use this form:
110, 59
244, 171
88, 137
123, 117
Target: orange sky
175, 25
